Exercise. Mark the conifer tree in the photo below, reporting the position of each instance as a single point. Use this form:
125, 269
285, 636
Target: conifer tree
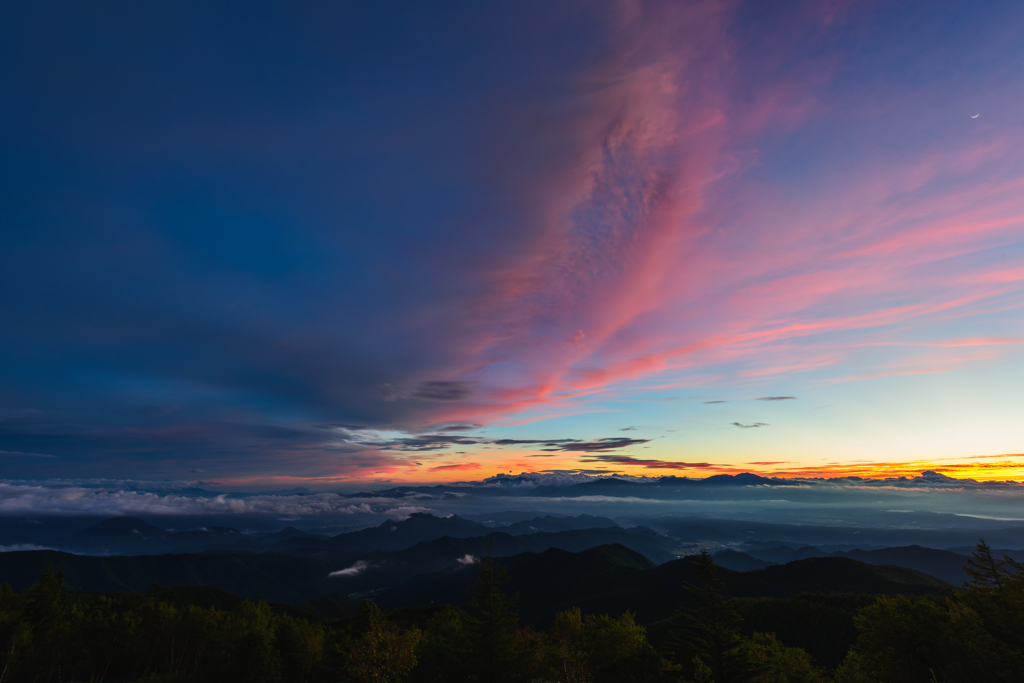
707, 636
493, 621
45, 602
984, 570
995, 590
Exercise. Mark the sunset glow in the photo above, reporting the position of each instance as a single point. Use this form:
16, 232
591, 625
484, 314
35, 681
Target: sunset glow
669, 238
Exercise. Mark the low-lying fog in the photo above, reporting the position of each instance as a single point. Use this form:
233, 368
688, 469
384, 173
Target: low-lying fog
37, 511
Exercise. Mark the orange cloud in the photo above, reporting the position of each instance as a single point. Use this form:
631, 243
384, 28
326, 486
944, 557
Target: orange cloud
1009, 467
456, 467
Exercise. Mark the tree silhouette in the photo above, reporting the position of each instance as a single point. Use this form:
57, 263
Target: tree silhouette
707, 636
984, 570
996, 592
491, 628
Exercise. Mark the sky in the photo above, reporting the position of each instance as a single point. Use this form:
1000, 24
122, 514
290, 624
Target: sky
361, 243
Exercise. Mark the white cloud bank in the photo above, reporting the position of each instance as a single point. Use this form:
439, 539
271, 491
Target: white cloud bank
34, 499
401, 513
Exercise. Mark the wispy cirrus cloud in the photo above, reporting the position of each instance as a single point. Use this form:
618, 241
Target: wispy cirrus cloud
817, 276
690, 198
19, 454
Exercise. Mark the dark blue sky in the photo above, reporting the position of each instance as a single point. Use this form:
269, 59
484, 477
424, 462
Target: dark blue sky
217, 218
263, 241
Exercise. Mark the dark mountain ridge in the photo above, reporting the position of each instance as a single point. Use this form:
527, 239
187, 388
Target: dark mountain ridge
944, 564
420, 527
396, 535
614, 579
134, 536
608, 578
248, 573
762, 535
739, 562
520, 486
386, 569
266, 576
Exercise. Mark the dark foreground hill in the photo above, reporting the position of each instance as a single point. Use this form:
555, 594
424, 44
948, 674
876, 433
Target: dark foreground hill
278, 577
603, 579
944, 564
382, 569
614, 579
206, 634
268, 576
784, 553
546, 582
740, 562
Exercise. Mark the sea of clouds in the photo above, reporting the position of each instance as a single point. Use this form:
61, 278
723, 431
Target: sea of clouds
930, 491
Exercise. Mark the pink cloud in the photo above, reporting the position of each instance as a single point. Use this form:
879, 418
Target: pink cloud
668, 249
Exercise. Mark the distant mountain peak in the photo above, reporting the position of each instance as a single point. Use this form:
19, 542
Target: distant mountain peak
932, 475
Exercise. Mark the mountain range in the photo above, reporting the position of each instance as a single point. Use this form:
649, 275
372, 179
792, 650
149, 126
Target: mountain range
396, 550
383, 569
613, 579
765, 535
662, 487
944, 564
604, 579
134, 536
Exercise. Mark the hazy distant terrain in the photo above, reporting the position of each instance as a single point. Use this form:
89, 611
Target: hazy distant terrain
425, 555
803, 574
601, 544
379, 540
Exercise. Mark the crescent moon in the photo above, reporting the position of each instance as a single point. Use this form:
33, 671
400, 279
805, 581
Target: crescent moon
976, 116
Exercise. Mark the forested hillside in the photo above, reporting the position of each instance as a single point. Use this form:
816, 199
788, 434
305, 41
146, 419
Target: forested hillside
196, 635
598, 578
